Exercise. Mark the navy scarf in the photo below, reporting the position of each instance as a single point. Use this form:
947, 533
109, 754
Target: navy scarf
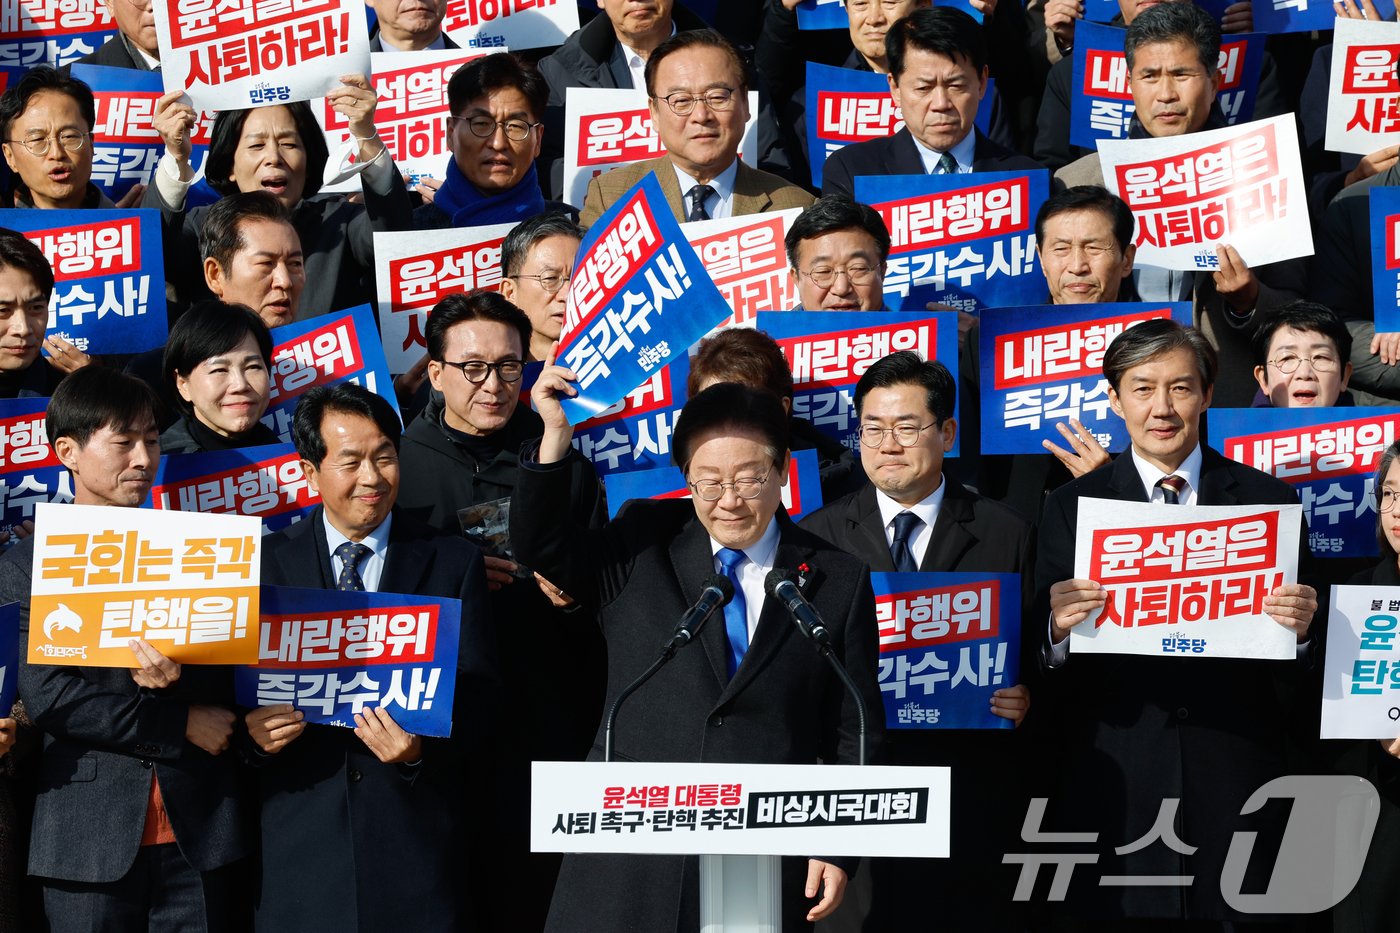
468, 207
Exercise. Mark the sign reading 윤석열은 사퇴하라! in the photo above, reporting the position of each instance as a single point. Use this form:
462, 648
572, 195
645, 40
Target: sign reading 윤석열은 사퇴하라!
1362, 116
1238, 185
185, 582
1185, 581
495, 25
232, 54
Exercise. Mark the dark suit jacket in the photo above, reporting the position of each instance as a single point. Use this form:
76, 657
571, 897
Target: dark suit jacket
1132, 730
755, 191
899, 155
350, 843
115, 53
103, 736
784, 705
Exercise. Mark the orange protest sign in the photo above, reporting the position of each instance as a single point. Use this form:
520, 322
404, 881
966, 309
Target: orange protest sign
187, 583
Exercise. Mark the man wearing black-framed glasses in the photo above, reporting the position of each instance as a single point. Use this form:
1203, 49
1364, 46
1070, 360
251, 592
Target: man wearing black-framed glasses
698, 88
462, 452
46, 123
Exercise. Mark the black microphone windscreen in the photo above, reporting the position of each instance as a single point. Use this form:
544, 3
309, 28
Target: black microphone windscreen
720, 582
775, 576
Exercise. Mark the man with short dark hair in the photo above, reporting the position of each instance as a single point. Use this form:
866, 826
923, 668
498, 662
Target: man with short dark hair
537, 260
730, 697
350, 817
26, 285
698, 85
914, 517
1172, 54
495, 134
1084, 239
837, 249
1205, 733
141, 810
938, 76
406, 25
252, 256
464, 451
46, 123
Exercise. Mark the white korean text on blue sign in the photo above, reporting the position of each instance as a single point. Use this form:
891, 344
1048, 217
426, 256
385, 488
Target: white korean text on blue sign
265, 481
29, 471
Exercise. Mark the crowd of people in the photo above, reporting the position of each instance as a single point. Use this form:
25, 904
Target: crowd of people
146, 799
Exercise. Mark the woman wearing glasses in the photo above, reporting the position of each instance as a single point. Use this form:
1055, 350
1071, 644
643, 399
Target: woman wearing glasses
281, 149
218, 366
494, 133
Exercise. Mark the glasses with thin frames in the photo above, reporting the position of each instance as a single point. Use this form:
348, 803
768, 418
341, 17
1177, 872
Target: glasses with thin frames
478, 371
1387, 499
551, 282
1321, 363
72, 140
745, 487
485, 127
905, 435
825, 276
718, 100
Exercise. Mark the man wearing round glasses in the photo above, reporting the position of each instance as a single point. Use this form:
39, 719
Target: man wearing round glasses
494, 132
46, 122
698, 90
837, 249
462, 451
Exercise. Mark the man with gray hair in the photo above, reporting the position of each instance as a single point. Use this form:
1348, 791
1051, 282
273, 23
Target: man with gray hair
1173, 50
1206, 738
537, 259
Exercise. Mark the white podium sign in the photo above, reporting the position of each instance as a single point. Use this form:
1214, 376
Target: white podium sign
738, 809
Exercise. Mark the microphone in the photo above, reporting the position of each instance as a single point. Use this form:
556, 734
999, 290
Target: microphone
717, 593
779, 584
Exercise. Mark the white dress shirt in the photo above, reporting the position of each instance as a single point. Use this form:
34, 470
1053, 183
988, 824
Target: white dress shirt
371, 567
964, 152
753, 572
926, 508
719, 204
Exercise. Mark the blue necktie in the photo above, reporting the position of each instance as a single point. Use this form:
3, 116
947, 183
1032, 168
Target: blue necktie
905, 524
350, 555
736, 615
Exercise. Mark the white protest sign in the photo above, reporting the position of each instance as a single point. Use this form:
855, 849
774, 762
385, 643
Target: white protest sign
250, 53
415, 269
1361, 682
1185, 580
1361, 101
608, 128
495, 25
746, 258
1238, 185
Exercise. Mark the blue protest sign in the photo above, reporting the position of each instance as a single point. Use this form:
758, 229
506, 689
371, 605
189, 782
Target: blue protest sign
9, 657
109, 276
1329, 455
326, 350
1043, 365
1097, 11
334, 653
1101, 106
828, 352
52, 32
29, 471
1272, 17
125, 144
638, 299
947, 642
264, 481
801, 494
964, 241
1385, 258
847, 106
831, 14
636, 432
